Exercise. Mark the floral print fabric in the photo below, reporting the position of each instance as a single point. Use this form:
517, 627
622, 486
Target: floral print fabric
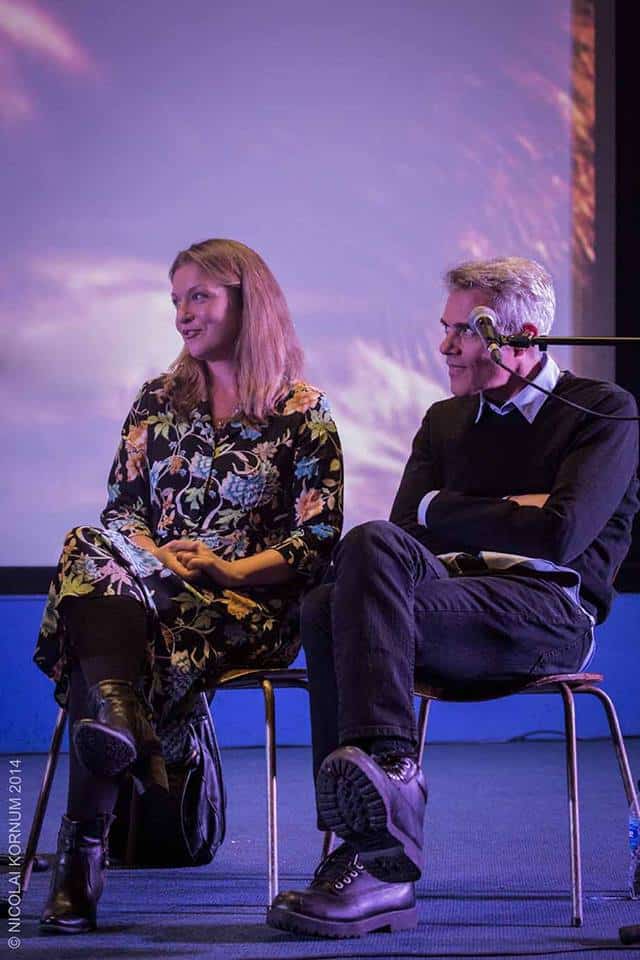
241, 488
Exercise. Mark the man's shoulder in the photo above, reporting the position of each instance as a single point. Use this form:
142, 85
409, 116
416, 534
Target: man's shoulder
453, 410
600, 395
455, 405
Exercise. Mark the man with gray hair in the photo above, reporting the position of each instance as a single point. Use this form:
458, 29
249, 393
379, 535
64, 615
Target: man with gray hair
512, 517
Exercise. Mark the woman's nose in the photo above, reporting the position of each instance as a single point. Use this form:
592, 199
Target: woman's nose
182, 312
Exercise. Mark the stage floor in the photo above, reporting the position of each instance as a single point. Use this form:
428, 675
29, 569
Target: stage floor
496, 882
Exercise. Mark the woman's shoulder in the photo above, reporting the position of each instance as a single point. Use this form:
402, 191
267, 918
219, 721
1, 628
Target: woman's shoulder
153, 394
303, 397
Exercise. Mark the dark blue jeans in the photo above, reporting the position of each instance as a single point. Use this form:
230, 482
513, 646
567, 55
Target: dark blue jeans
394, 612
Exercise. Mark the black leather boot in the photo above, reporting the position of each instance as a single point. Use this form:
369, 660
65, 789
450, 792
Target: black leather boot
118, 735
344, 900
78, 876
377, 804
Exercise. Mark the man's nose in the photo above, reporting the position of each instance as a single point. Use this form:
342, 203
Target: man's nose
450, 343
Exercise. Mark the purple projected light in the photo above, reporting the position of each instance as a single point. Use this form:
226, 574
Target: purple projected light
360, 148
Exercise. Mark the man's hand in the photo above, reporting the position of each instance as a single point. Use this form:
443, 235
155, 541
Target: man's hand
530, 499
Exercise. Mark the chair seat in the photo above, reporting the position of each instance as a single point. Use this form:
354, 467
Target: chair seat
496, 687
245, 678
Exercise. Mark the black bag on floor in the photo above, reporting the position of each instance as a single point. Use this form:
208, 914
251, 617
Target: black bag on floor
185, 827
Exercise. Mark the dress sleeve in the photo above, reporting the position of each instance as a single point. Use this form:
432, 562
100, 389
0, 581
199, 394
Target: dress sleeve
128, 506
317, 487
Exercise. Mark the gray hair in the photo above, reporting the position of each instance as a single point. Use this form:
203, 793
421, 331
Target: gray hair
520, 291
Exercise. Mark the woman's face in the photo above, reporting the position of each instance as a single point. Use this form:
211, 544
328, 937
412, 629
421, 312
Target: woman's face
208, 314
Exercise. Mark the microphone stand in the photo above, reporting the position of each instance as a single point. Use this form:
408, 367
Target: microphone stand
522, 340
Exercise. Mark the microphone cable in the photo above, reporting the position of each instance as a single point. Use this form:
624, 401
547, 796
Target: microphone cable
554, 396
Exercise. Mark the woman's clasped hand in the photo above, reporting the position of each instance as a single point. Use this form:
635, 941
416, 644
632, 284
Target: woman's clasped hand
196, 562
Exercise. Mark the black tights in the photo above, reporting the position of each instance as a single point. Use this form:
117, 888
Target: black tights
107, 637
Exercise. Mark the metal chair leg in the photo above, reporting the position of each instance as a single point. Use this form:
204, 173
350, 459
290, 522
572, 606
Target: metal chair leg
327, 843
574, 812
618, 743
272, 795
423, 720
43, 800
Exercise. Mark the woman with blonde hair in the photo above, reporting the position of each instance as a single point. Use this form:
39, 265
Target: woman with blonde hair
224, 503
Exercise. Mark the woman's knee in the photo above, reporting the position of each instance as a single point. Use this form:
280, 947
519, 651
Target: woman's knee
77, 536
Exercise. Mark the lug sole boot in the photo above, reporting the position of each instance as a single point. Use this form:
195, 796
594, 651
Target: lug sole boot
377, 805
344, 900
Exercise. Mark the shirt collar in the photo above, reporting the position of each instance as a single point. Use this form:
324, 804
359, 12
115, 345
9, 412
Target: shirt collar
528, 400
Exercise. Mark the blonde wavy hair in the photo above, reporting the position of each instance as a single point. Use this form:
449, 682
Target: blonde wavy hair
268, 353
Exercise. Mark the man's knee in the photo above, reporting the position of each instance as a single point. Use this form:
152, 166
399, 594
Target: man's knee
367, 538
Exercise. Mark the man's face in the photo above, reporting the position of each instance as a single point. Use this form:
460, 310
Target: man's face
469, 363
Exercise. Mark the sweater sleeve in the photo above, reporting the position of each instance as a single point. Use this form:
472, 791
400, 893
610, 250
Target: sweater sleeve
421, 476
591, 481
128, 509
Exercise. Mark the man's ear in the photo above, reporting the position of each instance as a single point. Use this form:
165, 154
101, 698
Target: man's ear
530, 329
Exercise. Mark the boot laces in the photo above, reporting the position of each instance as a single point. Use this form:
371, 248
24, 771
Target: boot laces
396, 767
340, 868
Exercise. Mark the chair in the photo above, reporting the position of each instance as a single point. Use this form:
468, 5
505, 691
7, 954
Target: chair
267, 680
237, 679
567, 685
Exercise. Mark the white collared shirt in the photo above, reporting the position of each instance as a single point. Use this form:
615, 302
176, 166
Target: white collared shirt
528, 400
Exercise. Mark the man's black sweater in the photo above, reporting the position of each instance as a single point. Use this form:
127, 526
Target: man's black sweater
587, 466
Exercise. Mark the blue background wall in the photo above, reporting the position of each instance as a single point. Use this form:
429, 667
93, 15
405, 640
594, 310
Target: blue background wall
27, 712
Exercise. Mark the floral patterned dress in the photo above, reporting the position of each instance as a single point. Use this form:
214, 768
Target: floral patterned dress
240, 489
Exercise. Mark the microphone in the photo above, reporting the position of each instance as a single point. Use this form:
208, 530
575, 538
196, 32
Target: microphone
483, 321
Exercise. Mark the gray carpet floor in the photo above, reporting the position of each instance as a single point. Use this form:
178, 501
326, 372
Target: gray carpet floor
496, 882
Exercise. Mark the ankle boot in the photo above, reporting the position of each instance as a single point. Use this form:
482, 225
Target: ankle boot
78, 876
118, 735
